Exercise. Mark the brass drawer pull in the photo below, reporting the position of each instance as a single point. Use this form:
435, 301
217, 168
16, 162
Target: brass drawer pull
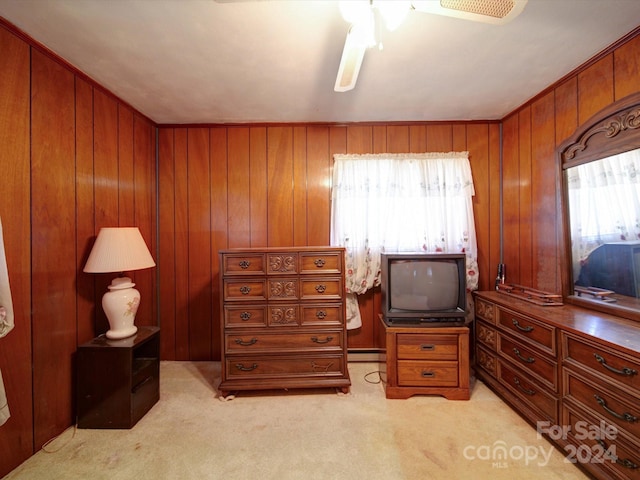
319, 263
241, 367
625, 463
321, 288
321, 314
516, 380
428, 374
627, 417
317, 340
245, 316
516, 324
244, 264
624, 371
427, 347
245, 290
239, 341
526, 360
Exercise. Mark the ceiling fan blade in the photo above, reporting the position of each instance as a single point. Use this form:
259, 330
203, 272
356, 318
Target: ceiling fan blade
350, 63
497, 12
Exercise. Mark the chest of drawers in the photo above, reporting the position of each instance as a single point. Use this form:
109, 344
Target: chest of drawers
574, 374
283, 319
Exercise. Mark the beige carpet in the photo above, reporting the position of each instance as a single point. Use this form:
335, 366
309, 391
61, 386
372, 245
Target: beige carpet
192, 434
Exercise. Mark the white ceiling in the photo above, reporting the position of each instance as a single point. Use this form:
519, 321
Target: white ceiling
205, 61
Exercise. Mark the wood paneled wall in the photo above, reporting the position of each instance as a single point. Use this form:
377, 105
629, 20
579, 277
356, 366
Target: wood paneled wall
270, 185
530, 136
72, 159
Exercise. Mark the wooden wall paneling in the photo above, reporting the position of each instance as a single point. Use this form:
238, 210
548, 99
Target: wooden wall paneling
258, 179
166, 260
220, 165
439, 138
106, 194
511, 195
300, 165
53, 246
359, 138
199, 228
626, 64
545, 216
527, 203
595, 88
16, 435
181, 235
85, 207
319, 180
417, 139
459, 137
144, 193
280, 186
478, 147
397, 138
495, 178
379, 139
239, 186
126, 206
566, 110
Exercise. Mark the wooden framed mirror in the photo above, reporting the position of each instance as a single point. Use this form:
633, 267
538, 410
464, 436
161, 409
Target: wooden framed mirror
599, 199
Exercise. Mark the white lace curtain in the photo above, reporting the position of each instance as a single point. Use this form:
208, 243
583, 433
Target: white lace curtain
400, 202
604, 203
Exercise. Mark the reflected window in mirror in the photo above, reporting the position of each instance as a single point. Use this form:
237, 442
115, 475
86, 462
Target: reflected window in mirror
600, 205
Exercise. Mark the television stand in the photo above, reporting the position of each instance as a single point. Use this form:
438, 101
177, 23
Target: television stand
427, 360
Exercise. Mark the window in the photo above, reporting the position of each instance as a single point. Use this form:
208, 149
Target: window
400, 202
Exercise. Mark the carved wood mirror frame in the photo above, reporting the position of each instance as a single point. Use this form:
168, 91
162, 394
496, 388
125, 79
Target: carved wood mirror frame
614, 130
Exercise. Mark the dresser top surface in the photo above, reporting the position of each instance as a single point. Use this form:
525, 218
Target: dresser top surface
587, 323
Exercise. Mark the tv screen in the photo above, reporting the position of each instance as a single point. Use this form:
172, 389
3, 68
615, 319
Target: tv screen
428, 285
423, 287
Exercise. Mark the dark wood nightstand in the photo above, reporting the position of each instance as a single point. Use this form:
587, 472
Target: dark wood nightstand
118, 381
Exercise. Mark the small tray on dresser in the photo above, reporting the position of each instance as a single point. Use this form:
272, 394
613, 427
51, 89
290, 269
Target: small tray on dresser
531, 295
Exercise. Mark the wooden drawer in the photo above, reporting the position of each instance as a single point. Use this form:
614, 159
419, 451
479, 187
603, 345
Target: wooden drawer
487, 360
528, 391
243, 264
529, 329
529, 360
622, 369
265, 342
321, 262
485, 310
313, 288
282, 263
282, 289
486, 335
427, 346
322, 314
611, 455
427, 374
605, 401
244, 290
257, 367
245, 316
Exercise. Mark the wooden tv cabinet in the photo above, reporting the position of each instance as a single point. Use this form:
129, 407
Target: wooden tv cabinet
427, 360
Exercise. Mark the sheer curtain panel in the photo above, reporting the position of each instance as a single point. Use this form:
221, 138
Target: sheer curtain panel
400, 203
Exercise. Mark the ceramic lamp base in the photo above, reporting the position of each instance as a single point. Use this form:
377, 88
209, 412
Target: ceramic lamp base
120, 305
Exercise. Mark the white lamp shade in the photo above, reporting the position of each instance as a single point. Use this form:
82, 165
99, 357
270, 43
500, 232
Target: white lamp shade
119, 249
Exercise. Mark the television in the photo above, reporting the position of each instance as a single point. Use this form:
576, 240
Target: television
423, 288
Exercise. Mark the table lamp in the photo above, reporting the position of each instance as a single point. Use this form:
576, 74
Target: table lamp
120, 249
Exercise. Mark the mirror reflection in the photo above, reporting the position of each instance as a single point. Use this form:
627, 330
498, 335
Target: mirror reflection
604, 224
